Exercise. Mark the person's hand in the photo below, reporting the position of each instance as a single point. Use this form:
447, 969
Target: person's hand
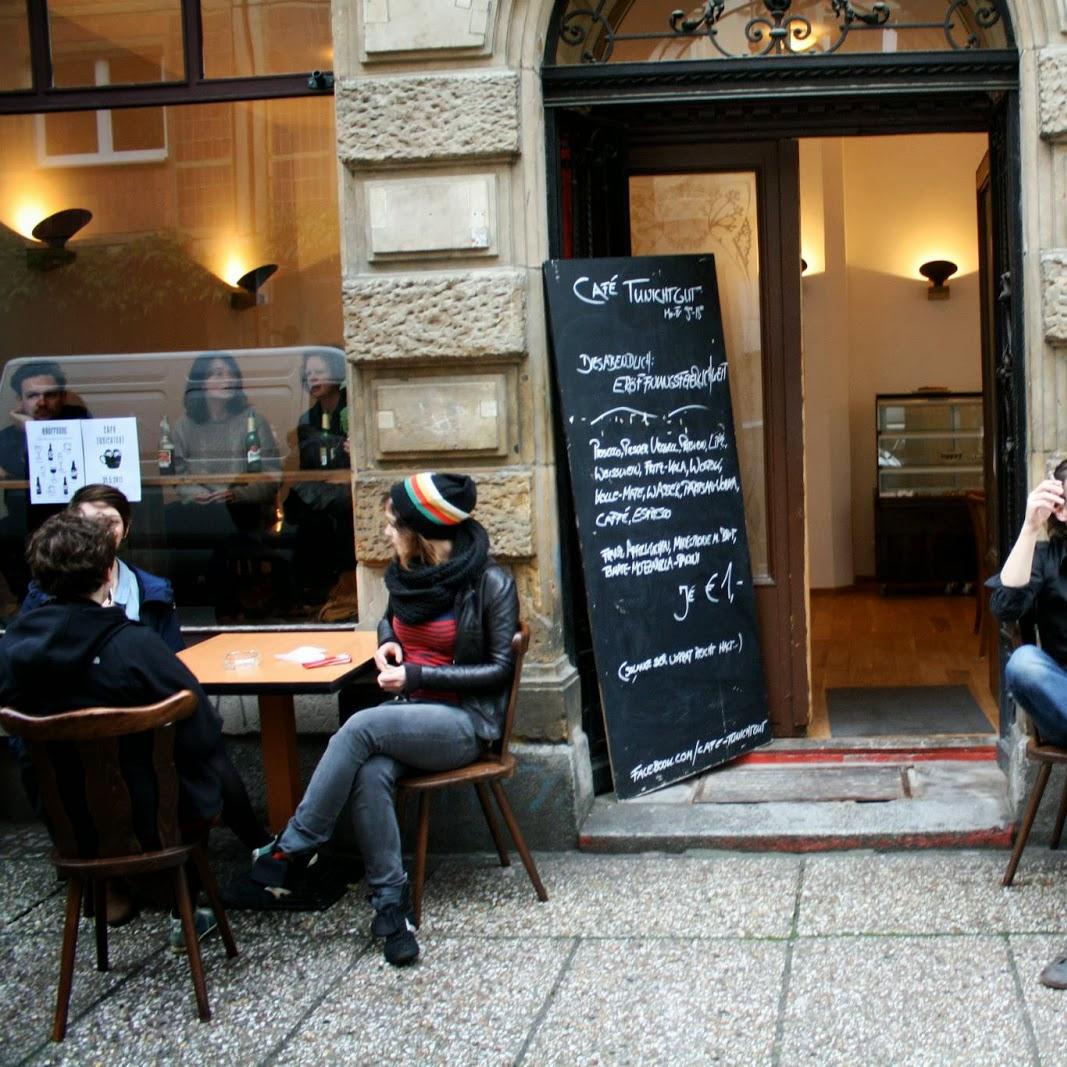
388, 655
392, 679
19, 417
1046, 498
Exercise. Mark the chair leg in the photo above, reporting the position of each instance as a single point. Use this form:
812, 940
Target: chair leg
100, 907
66, 957
1028, 822
520, 841
490, 819
422, 841
1061, 817
192, 943
211, 888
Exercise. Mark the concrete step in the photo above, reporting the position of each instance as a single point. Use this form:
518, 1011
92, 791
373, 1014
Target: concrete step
818, 798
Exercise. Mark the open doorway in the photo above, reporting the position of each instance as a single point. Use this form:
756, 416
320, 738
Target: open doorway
894, 412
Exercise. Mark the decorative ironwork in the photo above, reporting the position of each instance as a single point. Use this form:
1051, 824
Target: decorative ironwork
778, 30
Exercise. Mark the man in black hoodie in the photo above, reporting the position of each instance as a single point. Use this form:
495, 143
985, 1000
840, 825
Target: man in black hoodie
77, 651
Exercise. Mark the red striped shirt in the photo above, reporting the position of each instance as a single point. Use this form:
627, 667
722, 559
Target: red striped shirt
430, 644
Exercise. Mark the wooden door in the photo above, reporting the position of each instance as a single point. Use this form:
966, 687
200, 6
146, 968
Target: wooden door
741, 202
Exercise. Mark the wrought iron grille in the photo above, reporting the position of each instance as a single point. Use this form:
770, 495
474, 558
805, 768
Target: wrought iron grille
601, 31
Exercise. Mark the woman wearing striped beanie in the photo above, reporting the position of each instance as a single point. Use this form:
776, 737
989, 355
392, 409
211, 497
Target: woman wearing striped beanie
444, 656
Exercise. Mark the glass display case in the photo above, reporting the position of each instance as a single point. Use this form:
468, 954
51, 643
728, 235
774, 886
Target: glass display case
929, 457
929, 443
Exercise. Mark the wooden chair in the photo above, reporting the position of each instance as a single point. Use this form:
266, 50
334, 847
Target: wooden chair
484, 774
983, 621
96, 841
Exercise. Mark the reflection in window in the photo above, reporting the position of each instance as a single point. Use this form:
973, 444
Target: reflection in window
142, 43
634, 31
82, 138
250, 38
15, 72
244, 468
240, 185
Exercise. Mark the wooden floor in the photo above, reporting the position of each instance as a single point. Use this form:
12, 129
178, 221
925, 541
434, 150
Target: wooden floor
861, 638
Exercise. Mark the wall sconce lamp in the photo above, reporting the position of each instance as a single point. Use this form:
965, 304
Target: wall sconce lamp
55, 231
803, 265
938, 271
246, 294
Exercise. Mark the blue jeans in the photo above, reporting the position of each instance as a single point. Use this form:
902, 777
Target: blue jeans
1039, 684
362, 763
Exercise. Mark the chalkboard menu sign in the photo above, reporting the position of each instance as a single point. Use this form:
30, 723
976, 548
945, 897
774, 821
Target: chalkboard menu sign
642, 380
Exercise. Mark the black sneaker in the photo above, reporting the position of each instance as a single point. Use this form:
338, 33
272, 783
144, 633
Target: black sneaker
401, 948
280, 872
378, 925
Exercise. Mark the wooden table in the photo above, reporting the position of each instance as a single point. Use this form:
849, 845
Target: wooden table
275, 682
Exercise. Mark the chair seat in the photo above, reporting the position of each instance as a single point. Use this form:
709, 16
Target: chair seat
483, 770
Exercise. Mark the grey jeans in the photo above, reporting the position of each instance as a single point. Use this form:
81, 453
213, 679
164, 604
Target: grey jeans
362, 763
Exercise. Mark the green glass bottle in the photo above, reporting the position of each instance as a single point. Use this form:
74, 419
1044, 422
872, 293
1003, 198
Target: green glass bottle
253, 449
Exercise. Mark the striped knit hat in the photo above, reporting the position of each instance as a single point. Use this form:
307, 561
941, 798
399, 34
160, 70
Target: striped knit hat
434, 505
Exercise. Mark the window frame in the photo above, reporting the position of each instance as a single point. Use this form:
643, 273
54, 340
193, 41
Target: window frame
193, 89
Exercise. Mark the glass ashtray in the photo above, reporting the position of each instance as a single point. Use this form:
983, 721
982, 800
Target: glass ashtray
241, 659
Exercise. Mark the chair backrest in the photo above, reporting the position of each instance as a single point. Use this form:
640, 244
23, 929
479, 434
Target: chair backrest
519, 645
89, 764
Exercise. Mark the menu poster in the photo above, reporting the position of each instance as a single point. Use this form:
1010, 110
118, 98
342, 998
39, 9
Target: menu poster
112, 456
642, 381
65, 454
56, 459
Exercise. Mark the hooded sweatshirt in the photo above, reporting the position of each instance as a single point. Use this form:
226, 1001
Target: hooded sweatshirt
67, 655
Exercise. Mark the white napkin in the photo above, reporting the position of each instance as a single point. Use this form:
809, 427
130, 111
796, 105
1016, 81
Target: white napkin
302, 654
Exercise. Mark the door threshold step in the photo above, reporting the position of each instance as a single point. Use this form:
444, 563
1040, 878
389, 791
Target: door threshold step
948, 803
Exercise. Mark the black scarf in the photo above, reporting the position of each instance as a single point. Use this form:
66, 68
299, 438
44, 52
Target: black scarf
422, 594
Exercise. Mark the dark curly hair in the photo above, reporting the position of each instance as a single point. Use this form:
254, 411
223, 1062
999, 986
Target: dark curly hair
1054, 527
70, 556
194, 399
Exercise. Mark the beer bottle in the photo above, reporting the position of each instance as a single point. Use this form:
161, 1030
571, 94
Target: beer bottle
253, 450
166, 448
325, 451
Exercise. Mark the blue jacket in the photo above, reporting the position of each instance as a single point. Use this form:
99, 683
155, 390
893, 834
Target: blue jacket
157, 606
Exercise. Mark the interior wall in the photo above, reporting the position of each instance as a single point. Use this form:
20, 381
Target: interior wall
888, 204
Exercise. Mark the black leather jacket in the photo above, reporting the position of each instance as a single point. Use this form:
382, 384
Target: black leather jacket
487, 616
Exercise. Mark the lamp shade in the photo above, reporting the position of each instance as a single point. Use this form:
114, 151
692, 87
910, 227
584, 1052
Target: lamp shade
56, 230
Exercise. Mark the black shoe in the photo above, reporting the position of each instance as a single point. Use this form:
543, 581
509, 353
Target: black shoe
378, 925
401, 948
280, 873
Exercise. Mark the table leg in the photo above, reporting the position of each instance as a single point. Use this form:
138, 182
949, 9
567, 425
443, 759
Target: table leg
277, 729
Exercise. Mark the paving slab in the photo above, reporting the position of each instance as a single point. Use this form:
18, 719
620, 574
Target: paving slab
889, 1000
615, 896
30, 974
671, 1002
25, 885
931, 892
1047, 1008
256, 1000
464, 1002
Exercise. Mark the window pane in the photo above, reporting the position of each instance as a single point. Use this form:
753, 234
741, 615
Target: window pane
15, 70
145, 295
70, 133
643, 31
129, 44
693, 213
246, 38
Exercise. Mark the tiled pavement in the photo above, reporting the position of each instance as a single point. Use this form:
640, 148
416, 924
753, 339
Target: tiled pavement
698, 958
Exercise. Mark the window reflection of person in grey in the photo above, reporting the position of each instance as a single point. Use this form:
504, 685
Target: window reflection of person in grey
41, 388
210, 440
322, 511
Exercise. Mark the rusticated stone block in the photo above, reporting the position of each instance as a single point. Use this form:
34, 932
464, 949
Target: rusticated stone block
504, 509
1054, 295
1052, 93
467, 315
427, 118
